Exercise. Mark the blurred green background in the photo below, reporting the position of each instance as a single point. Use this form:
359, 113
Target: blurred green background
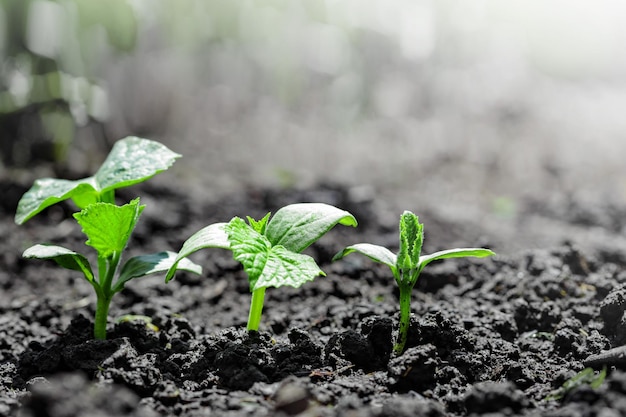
471, 105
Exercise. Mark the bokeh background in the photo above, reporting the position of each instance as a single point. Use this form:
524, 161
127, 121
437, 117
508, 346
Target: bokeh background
473, 108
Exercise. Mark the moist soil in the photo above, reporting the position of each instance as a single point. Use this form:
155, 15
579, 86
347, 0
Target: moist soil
495, 336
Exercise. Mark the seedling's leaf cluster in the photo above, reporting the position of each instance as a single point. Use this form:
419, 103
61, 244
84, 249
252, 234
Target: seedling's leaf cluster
108, 227
269, 249
408, 263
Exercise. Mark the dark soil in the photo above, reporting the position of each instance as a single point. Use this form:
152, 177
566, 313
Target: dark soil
488, 337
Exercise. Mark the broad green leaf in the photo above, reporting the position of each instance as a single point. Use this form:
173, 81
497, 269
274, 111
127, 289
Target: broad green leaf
131, 161
154, 263
376, 253
299, 225
267, 265
212, 236
46, 192
284, 267
62, 256
411, 238
107, 226
454, 253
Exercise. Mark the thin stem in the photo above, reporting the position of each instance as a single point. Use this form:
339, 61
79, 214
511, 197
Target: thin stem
405, 318
256, 308
106, 268
102, 313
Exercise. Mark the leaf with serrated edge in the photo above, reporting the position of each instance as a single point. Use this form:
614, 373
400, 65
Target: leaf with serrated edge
455, 253
212, 236
131, 161
297, 226
107, 226
376, 253
154, 263
62, 256
283, 267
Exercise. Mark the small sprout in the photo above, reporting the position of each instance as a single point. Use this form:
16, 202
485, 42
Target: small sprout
131, 161
585, 377
407, 265
108, 227
270, 250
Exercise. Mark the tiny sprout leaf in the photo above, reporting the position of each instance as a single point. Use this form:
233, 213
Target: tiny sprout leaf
454, 253
154, 263
131, 161
411, 238
212, 236
259, 225
376, 253
107, 226
297, 226
62, 256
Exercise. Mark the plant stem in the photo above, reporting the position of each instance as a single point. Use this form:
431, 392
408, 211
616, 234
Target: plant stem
256, 308
405, 318
102, 313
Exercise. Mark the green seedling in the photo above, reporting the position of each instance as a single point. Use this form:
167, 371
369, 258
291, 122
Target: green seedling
407, 265
270, 250
108, 227
131, 161
587, 376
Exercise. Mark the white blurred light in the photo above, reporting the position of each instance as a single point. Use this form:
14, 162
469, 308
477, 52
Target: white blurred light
44, 28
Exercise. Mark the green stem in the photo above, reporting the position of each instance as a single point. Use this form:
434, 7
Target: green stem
102, 313
405, 318
106, 269
256, 308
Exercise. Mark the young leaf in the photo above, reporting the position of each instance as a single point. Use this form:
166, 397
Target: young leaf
107, 226
62, 256
299, 225
212, 236
259, 225
132, 160
454, 253
267, 265
154, 263
411, 237
376, 253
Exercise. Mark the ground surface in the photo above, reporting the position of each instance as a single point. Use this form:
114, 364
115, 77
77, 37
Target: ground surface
488, 337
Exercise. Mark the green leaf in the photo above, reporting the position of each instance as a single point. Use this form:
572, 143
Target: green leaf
107, 226
411, 239
62, 256
284, 267
376, 253
154, 263
267, 265
46, 192
212, 236
454, 253
259, 225
299, 225
131, 161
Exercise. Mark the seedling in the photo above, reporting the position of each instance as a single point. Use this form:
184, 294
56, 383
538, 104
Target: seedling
131, 161
585, 377
407, 265
107, 226
270, 250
